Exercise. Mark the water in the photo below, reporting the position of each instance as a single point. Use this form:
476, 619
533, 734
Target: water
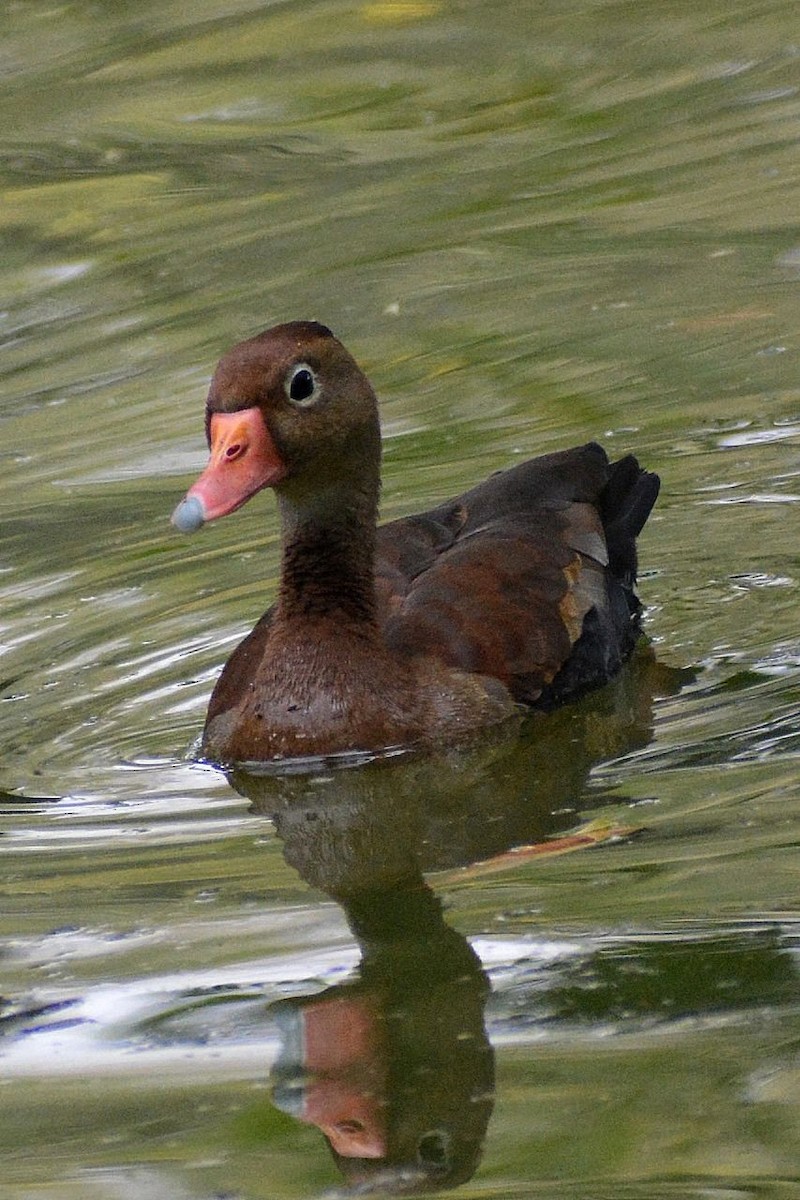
532, 225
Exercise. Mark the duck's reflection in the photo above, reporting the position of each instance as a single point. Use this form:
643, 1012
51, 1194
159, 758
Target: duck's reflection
394, 1067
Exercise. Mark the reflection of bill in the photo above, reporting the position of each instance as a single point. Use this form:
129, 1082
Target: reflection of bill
332, 1070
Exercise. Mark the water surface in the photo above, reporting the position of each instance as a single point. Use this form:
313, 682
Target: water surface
532, 225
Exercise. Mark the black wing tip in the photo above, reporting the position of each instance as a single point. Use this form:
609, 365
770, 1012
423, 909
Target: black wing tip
625, 505
629, 496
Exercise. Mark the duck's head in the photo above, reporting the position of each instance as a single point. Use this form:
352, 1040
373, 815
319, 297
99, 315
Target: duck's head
288, 409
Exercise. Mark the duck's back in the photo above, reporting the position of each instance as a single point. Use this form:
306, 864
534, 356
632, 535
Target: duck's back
527, 578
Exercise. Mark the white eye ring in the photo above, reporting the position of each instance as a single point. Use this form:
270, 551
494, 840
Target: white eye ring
301, 386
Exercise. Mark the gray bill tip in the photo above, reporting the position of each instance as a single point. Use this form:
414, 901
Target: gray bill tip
189, 515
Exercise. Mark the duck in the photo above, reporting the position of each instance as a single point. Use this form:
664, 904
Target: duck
517, 594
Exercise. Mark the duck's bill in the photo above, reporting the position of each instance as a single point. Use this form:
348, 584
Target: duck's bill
244, 459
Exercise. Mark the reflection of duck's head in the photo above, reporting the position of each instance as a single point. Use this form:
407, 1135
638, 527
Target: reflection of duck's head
395, 1068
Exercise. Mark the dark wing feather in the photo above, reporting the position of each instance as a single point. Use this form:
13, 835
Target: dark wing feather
625, 505
526, 577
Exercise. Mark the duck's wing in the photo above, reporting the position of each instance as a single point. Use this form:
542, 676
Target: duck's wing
527, 578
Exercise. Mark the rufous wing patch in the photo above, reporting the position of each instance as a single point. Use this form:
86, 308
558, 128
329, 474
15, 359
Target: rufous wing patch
573, 605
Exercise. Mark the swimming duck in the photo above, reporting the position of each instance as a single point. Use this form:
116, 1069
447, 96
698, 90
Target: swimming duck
518, 592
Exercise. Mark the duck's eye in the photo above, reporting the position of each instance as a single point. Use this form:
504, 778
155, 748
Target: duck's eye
301, 385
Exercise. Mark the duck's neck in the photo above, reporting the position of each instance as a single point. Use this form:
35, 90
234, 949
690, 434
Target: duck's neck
328, 551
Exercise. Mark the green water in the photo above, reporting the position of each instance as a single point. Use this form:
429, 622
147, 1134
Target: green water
532, 224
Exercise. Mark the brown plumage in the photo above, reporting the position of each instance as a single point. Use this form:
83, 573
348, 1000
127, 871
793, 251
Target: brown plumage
518, 591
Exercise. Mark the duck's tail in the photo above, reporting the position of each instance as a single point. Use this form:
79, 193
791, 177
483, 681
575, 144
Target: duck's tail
625, 504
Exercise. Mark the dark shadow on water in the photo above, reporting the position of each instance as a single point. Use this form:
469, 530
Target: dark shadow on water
395, 1067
